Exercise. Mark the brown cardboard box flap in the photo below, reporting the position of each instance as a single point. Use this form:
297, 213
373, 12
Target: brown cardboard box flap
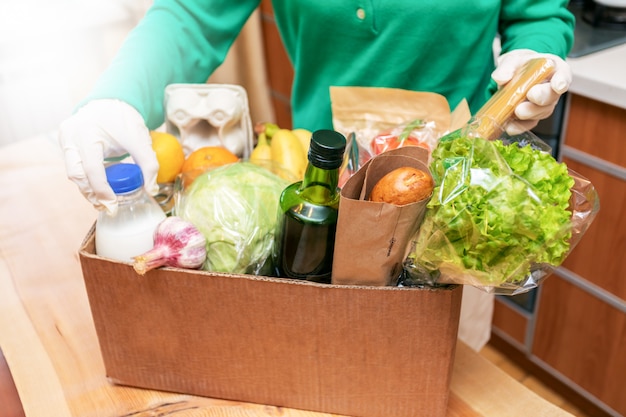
360, 351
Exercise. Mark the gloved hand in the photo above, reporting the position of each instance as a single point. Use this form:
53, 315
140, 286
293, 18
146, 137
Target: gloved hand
103, 129
541, 98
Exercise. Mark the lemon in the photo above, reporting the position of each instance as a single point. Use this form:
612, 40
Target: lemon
169, 153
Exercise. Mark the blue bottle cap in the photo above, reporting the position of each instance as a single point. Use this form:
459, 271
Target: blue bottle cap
124, 178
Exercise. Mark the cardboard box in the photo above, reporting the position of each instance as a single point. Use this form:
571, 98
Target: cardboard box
358, 351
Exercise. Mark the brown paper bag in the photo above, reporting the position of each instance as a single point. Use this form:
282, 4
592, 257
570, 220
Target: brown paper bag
368, 111
372, 238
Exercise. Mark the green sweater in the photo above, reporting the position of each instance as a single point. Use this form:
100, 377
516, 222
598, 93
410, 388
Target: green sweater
440, 46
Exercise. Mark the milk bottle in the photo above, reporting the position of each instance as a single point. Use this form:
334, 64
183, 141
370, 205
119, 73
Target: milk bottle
130, 232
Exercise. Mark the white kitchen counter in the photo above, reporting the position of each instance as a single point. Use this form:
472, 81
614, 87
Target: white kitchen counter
601, 76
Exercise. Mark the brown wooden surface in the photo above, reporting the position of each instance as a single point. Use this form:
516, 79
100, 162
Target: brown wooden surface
583, 338
597, 129
279, 68
47, 334
578, 335
517, 362
9, 398
510, 321
599, 257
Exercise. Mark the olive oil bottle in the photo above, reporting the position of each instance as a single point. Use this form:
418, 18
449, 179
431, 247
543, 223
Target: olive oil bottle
305, 239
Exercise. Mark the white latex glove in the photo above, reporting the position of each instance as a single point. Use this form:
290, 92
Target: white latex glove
541, 98
104, 129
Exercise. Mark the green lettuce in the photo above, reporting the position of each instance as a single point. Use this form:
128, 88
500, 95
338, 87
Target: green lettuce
235, 207
497, 211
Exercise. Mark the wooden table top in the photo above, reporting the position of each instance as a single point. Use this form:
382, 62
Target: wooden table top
47, 333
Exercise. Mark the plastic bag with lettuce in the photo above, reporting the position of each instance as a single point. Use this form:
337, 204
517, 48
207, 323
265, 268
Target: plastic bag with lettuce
234, 206
503, 215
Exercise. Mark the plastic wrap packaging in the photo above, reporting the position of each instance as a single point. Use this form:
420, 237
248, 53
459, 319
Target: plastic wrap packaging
418, 132
503, 214
235, 207
376, 119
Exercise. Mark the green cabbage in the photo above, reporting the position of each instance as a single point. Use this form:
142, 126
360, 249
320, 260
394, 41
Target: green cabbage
497, 211
235, 207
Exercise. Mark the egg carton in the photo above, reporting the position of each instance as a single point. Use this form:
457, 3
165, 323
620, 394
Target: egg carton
209, 115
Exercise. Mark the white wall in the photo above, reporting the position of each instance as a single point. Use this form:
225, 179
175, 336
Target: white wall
51, 52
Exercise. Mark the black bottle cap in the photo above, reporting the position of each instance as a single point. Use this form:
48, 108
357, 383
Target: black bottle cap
326, 149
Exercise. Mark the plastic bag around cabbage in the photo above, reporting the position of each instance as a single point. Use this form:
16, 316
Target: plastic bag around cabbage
235, 207
503, 215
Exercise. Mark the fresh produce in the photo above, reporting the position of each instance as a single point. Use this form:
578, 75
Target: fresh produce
304, 136
235, 207
266, 127
177, 243
398, 137
262, 152
497, 211
402, 186
287, 151
283, 151
205, 158
169, 154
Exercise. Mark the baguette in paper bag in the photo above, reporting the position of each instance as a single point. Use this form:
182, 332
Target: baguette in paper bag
372, 238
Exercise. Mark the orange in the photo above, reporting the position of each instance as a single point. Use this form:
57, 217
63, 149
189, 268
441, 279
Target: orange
170, 155
205, 158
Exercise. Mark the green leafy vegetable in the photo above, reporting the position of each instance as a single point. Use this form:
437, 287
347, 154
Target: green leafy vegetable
235, 207
496, 211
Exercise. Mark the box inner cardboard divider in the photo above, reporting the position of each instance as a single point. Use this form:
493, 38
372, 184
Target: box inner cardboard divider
358, 351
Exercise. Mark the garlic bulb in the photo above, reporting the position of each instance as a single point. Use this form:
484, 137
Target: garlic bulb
177, 243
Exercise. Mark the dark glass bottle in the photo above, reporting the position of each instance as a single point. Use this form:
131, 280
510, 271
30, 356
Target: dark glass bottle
305, 239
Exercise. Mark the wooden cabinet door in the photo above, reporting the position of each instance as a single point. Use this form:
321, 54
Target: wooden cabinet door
595, 146
599, 257
597, 129
583, 338
580, 323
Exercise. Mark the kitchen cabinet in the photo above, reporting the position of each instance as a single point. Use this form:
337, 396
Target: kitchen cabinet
576, 330
278, 66
583, 338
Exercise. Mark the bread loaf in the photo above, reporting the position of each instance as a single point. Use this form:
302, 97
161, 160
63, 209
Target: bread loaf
402, 186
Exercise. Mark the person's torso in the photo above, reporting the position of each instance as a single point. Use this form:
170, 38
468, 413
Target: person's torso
435, 45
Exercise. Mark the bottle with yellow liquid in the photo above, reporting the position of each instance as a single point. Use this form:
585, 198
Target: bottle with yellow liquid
308, 210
